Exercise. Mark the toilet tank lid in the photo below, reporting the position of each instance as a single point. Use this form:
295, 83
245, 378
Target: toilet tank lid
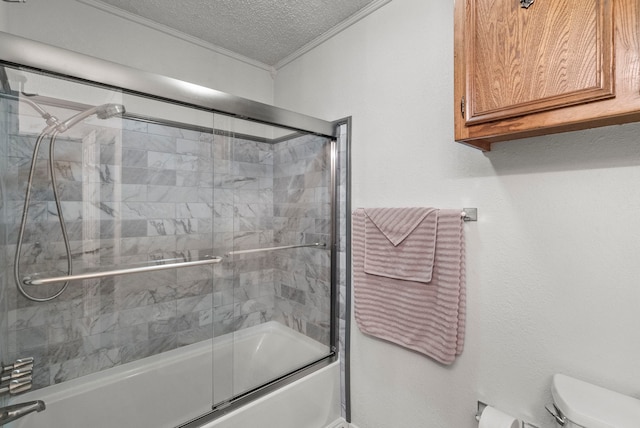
592, 406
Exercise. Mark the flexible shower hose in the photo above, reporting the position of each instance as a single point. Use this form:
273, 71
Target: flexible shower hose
25, 212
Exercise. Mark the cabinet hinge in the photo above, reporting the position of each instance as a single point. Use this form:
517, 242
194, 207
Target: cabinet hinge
462, 107
526, 3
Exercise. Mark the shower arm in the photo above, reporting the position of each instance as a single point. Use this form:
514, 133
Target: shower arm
51, 120
103, 111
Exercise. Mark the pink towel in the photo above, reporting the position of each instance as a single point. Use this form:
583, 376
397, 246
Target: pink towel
428, 318
400, 242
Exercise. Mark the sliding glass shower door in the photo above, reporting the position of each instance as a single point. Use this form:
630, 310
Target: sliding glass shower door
4, 286
273, 210
107, 232
134, 228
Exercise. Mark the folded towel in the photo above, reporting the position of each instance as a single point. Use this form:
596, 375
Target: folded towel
400, 242
428, 318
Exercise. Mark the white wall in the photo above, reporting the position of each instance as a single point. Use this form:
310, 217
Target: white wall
76, 26
3, 17
553, 262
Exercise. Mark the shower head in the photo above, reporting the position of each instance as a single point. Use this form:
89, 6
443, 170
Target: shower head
104, 111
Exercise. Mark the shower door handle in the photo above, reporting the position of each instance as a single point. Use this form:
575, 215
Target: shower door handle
117, 272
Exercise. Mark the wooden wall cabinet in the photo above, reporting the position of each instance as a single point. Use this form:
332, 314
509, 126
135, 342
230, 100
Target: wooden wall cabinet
557, 66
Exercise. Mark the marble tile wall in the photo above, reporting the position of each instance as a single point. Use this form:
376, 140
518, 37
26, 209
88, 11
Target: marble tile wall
243, 220
302, 213
140, 194
143, 193
146, 193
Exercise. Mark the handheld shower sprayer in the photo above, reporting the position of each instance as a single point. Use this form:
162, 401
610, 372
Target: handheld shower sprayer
104, 111
53, 128
107, 111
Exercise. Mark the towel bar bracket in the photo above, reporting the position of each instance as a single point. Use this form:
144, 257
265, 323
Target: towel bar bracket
470, 214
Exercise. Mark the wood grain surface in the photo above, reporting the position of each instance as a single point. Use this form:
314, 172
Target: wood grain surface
568, 81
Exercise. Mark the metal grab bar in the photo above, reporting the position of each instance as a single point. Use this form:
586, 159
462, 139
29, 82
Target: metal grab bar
284, 247
116, 272
56, 279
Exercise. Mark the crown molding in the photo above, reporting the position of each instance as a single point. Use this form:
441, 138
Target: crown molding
372, 7
174, 33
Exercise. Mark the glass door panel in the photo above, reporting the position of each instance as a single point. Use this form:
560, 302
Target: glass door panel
5, 129
132, 184
275, 205
123, 189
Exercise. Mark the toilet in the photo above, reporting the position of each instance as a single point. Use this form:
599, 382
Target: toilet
583, 405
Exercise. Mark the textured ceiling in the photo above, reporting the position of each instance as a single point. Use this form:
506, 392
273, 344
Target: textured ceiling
264, 30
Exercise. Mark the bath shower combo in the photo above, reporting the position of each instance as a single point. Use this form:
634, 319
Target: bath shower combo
194, 256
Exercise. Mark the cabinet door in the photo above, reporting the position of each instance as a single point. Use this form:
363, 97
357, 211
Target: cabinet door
517, 61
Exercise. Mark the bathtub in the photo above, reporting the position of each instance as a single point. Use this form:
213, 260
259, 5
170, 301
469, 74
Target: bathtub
172, 388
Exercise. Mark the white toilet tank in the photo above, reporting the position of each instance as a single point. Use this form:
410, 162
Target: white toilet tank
585, 405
